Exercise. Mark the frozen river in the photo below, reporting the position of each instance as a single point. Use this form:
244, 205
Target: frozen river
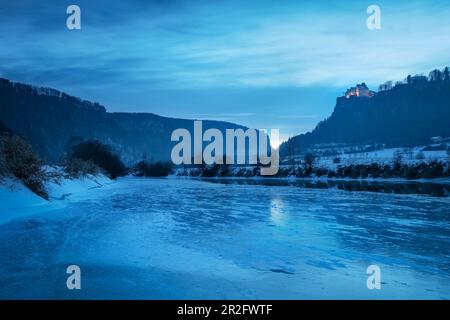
191, 239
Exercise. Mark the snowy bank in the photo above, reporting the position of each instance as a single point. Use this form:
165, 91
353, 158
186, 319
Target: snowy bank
16, 200
76, 189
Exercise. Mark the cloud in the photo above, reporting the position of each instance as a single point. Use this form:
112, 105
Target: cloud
219, 44
282, 61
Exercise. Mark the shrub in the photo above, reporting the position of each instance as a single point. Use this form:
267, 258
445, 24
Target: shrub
397, 159
75, 167
387, 172
210, 170
99, 154
347, 172
19, 160
158, 169
220, 170
354, 172
374, 170
340, 172
364, 172
309, 159
438, 168
331, 174
225, 170
411, 173
420, 155
321, 172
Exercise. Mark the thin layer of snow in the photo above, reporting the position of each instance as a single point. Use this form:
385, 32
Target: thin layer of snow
16, 200
76, 189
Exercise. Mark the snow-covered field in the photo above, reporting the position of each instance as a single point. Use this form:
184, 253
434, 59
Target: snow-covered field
409, 156
185, 238
385, 156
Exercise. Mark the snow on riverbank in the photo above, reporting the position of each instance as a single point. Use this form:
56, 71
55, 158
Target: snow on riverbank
76, 189
17, 200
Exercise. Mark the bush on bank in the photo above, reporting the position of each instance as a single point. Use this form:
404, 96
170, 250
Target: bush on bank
18, 159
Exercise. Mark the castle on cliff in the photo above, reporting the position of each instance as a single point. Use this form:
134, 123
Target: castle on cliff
361, 91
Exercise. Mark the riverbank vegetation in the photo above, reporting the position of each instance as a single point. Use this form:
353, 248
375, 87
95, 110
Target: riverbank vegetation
422, 170
17, 160
92, 156
148, 169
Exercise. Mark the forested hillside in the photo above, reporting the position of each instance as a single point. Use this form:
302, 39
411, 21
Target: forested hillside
52, 121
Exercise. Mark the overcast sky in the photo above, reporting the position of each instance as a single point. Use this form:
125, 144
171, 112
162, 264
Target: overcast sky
264, 64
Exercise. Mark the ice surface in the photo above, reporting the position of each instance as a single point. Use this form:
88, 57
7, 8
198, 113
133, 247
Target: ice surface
17, 200
191, 239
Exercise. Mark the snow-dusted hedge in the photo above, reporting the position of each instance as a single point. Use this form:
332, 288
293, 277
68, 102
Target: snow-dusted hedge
433, 169
76, 168
18, 159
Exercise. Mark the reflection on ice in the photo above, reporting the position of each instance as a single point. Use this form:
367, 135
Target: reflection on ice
276, 211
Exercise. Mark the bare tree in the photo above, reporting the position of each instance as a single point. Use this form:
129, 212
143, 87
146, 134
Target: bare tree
446, 74
435, 75
397, 158
420, 155
385, 86
309, 159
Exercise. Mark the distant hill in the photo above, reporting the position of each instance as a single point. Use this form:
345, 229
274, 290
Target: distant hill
408, 114
51, 120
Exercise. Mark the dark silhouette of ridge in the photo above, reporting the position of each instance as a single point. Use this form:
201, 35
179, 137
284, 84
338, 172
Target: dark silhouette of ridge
51, 120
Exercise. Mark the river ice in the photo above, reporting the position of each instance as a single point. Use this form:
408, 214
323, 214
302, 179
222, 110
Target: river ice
192, 239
